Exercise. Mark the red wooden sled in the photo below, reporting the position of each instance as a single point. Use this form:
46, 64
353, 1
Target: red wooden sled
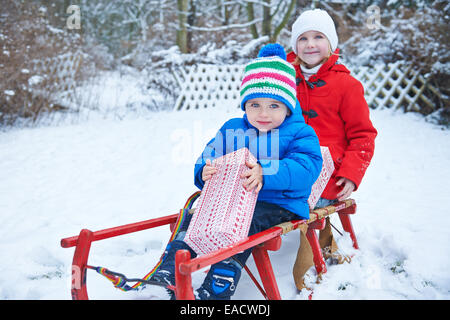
268, 240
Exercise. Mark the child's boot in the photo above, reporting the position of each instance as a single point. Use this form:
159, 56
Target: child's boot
166, 271
220, 282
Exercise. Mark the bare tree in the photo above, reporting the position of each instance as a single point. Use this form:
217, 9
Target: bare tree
275, 16
182, 40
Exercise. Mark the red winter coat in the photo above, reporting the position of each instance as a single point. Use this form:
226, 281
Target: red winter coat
333, 104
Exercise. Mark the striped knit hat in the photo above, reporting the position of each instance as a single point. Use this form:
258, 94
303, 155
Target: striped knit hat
269, 76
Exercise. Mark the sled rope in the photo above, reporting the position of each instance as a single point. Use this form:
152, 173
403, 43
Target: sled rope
119, 280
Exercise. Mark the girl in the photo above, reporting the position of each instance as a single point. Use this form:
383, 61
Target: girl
332, 102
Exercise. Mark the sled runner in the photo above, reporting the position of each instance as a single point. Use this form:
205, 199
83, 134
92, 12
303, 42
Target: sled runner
313, 251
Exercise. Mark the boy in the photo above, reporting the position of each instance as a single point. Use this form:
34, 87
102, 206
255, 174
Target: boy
289, 162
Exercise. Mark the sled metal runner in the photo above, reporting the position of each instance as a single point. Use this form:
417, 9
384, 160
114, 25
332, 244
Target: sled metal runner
262, 242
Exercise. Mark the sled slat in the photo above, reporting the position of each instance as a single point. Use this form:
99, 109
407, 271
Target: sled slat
221, 254
121, 230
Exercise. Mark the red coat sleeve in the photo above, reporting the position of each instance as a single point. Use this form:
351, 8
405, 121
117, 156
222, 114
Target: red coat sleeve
360, 134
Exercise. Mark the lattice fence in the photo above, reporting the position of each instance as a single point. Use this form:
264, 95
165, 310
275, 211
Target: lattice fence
205, 86
386, 86
396, 86
59, 73
38, 87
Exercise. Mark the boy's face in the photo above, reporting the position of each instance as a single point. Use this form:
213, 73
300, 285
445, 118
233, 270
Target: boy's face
313, 48
265, 114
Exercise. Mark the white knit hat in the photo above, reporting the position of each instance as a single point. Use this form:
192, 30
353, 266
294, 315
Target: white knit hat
317, 20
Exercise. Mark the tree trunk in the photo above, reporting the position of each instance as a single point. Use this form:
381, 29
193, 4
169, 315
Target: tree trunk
283, 22
182, 6
267, 19
251, 17
191, 21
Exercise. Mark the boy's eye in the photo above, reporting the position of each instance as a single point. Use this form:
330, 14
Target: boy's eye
302, 39
254, 105
319, 36
274, 106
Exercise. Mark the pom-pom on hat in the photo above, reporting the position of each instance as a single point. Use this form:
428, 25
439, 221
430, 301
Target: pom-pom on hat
317, 20
269, 76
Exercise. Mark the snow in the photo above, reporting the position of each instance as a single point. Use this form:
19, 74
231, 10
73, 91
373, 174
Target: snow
109, 93
104, 172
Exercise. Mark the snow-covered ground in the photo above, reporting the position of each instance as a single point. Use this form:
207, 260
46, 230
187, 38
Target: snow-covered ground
100, 173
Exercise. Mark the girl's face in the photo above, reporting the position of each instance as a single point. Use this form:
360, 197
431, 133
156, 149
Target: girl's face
313, 48
265, 114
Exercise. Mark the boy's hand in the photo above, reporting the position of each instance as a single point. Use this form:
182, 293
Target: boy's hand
254, 177
347, 189
208, 171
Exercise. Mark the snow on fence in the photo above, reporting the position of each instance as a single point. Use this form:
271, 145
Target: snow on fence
207, 85
58, 74
40, 85
396, 85
393, 85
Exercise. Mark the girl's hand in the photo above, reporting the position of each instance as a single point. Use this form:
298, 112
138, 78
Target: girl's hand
254, 177
347, 189
208, 171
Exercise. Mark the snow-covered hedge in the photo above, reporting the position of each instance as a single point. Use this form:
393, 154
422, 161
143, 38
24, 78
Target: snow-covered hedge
415, 32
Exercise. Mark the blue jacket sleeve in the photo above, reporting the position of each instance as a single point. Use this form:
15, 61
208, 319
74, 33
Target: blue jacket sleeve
300, 166
217, 147
208, 153
214, 149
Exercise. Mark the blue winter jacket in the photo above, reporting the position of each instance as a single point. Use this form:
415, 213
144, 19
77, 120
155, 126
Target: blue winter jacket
289, 155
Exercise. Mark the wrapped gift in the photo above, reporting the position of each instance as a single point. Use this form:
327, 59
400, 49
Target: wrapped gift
324, 177
224, 209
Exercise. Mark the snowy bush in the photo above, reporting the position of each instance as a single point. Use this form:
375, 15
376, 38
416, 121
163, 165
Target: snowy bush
414, 32
165, 68
143, 35
34, 62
